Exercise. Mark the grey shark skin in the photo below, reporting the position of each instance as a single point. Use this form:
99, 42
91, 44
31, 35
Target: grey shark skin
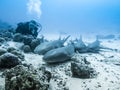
59, 55
94, 47
47, 46
79, 45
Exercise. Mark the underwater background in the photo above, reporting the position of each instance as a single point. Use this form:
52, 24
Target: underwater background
59, 44
71, 17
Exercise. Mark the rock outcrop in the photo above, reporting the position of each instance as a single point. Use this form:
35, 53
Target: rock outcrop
2, 51
18, 37
27, 78
26, 48
82, 69
8, 60
29, 28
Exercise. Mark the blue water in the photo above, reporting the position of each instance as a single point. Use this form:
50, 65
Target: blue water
65, 16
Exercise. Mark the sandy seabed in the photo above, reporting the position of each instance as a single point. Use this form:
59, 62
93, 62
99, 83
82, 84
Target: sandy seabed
106, 63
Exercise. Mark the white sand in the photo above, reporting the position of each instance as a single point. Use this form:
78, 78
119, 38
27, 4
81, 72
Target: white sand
104, 63
107, 79
34, 59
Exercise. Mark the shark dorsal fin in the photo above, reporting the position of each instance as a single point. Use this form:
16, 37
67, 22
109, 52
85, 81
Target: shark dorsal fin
65, 39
